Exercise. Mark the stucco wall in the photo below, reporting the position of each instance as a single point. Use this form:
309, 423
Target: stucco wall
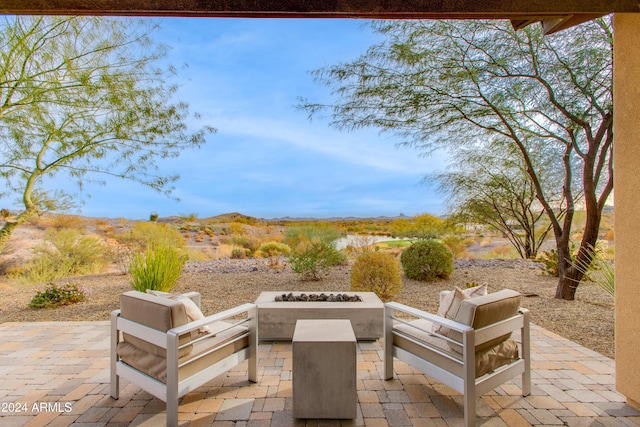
627, 203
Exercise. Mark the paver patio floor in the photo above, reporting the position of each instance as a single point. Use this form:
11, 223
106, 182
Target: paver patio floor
57, 374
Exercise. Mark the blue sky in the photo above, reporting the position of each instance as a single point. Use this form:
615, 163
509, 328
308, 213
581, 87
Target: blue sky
267, 159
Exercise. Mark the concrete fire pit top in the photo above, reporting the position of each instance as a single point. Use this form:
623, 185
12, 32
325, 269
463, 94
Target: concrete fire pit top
269, 298
290, 297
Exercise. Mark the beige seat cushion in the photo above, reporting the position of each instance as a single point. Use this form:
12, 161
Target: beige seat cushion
157, 313
487, 359
197, 360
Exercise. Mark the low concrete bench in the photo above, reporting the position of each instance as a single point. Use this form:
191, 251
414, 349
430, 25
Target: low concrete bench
324, 369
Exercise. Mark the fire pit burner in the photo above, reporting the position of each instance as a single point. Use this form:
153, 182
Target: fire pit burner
318, 297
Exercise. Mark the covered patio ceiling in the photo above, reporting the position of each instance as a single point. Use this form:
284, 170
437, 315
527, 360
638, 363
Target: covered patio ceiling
554, 15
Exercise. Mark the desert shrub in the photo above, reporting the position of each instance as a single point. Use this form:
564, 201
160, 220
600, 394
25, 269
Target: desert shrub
456, 244
427, 260
158, 268
55, 296
238, 253
295, 236
312, 259
144, 234
549, 260
377, 272
64, 221
153, 216
273, 251
600, 271
236, 229
251, 244
65, 253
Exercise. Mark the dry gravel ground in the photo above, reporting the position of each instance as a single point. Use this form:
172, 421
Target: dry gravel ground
589, 320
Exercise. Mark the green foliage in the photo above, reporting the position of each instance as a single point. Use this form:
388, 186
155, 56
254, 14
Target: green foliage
63, 254
153, 216
311, 259
377, 272
273, 251
145, 234
421, 227
469, 86
84, 96
427, 260
251, 244
55, 296
158, 268
238, 253
457, 244
600, 271
297, 235
549, 259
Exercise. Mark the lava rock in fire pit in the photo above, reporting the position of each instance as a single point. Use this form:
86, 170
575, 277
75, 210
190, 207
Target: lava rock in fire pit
321, 298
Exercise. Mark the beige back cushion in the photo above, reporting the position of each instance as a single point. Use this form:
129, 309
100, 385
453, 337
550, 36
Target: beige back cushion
157, 313
485, 310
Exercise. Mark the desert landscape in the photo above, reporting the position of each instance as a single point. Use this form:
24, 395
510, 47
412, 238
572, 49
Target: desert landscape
225, 282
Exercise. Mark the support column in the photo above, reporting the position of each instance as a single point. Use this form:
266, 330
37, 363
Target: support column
626, 89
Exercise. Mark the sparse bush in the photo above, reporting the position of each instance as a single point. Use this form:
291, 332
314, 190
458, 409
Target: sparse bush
456, 244
144, 234
427, 260
249, 243
377, 272
64, 221
295, 236
238, 253
273, 251
63, 254
312, 259
55, 296
159, 268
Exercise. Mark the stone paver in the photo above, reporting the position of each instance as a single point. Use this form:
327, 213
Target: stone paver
57, 374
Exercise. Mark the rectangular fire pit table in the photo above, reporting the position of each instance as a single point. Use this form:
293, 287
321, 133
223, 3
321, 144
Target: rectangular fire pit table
277, 320
324, 369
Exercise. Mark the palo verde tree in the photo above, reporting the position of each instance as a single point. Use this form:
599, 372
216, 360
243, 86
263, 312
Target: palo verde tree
80, 97
489, 185
455, 84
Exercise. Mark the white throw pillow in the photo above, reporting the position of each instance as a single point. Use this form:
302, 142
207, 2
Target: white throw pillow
193, 311
451, 304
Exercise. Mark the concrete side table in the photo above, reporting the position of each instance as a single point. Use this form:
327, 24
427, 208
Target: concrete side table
324, 369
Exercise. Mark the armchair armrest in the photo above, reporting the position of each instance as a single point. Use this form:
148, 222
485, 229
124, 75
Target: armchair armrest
456, 326
196, 324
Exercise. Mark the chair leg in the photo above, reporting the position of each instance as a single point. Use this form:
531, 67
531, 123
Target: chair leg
172, 411
388, 343
113, 356
470, 407
525, 339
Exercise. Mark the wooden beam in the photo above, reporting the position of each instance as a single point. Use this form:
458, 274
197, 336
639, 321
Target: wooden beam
387, 9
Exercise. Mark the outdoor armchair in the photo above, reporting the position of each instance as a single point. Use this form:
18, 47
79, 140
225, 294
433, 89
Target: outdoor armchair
155, 346
473, 353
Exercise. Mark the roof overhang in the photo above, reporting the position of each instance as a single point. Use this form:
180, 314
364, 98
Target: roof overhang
555, 15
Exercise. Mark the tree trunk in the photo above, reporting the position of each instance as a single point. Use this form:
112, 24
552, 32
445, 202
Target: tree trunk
9, 226
569, 276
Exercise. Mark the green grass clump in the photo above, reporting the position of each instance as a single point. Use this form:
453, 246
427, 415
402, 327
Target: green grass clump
377, 272
55, 296
158, 268
427, 260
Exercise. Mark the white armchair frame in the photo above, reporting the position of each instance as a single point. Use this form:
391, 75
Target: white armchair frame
467, 384
171, 391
